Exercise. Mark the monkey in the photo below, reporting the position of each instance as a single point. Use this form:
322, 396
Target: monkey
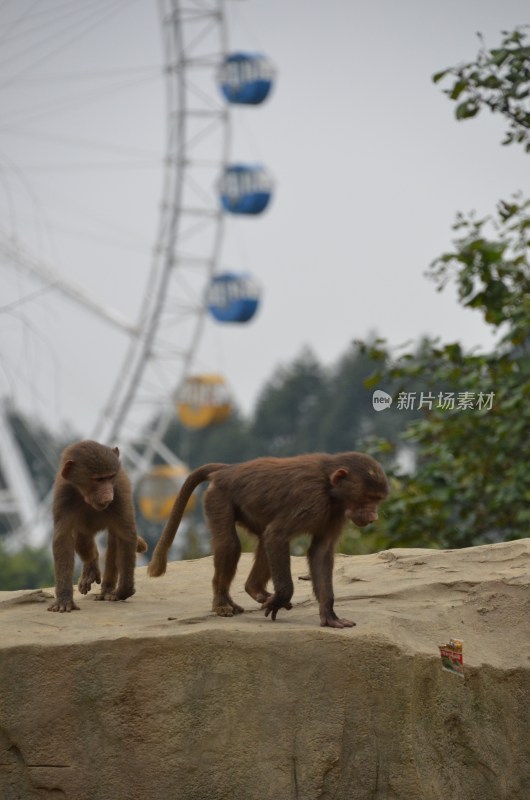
92, 492
276, 499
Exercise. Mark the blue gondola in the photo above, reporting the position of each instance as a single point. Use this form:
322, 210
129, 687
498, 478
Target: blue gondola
246, 78
232, 297
245, 188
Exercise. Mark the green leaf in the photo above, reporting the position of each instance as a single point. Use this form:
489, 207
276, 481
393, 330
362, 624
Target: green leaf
372, 380
491, 82
458, 88
467, 110
438, 76
499, 56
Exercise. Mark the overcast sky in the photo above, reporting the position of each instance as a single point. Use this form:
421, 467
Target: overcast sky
370, 168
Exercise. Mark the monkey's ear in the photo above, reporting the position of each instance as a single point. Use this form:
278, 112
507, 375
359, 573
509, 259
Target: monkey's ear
67, 469
338, 475
116, 450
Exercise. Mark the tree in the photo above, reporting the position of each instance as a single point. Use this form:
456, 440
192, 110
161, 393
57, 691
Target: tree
40, 450
499, 80
472, 484
289, 408
229, 441
29, 568
348, 421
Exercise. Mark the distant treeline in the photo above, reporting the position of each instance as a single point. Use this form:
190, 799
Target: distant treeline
304, 407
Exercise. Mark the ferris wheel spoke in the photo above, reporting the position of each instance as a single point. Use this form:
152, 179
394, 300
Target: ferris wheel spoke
200, 187
190, 235
18, 256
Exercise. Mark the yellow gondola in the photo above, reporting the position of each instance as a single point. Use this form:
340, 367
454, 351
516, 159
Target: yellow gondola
204, 401
158, 490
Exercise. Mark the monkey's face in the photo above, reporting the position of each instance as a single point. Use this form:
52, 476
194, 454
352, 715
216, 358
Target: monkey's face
366, 513
93, 472
100, 493
360, 492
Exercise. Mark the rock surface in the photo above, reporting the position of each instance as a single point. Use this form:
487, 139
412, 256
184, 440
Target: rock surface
158, 699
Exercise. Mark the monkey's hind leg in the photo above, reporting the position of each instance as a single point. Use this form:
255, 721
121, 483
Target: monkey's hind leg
226, 552
276, 546
126, 558
87, 550
110, 575
256, 585
119, 566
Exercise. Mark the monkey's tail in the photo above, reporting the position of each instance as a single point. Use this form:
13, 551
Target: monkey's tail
158, 563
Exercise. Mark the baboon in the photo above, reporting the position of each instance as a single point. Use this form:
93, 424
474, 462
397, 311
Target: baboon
92, 493
276, 499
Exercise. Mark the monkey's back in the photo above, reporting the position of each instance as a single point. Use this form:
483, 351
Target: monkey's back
293, 492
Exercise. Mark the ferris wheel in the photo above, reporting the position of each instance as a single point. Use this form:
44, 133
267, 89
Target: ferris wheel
200, 187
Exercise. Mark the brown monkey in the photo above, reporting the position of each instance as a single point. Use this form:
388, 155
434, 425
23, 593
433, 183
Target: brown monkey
276, 499
93, 493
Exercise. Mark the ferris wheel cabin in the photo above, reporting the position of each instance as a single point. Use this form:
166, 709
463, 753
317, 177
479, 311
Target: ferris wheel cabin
246, 78
245, 189
159, 489
204, 401
232, 297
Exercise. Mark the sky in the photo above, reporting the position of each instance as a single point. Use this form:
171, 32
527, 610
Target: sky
369, 167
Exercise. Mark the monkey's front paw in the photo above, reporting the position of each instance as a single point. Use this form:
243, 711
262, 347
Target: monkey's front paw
89, 576
273, 605
63, 605
227, 609
258, 594
114, 594
331, 620
123, 592
109, 595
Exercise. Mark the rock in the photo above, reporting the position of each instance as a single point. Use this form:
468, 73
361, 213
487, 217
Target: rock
158, 698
